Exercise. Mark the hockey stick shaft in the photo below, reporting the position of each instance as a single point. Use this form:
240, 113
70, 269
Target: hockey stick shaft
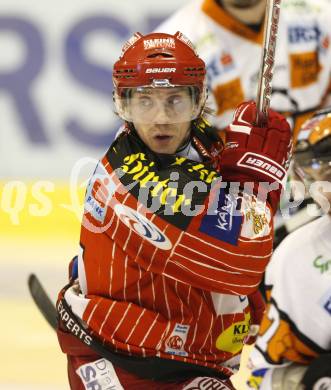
42, 300
267, 61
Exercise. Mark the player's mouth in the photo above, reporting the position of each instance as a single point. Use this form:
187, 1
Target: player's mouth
163, 137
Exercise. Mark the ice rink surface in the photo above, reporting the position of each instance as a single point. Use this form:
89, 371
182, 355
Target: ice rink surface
31, 358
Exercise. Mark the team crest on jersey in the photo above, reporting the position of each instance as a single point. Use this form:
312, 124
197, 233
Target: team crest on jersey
257, 218
142, 226
176, 341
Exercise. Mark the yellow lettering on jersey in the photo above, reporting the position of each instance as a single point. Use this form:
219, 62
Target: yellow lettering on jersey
172, 192
133, 157
181, 199
160, 184
134, 165
204, 174
179, 161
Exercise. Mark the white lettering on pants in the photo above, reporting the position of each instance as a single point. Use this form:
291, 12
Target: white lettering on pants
99, 375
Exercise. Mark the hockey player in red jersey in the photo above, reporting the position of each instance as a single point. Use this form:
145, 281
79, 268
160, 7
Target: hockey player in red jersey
171, 255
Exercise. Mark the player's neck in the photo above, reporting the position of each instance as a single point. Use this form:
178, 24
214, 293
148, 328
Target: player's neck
249, 15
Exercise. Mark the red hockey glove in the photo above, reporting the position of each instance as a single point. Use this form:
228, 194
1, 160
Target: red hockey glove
255, 154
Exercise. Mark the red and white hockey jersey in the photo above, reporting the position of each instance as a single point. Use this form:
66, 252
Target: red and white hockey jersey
169, 283
232, 52
297, 325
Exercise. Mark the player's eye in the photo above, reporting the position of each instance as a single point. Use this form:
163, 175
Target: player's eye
174, 100
145, 102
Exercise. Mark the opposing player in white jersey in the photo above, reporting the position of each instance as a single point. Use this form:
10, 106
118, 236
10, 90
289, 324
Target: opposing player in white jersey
293, 350
228, 35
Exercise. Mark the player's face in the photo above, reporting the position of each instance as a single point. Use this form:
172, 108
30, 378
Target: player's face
162, 117
242, 3
163, 138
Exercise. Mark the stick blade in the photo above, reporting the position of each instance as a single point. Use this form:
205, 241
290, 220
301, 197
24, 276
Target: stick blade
42, 300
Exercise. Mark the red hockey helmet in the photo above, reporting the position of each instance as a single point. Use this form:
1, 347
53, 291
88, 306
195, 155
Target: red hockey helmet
153, 62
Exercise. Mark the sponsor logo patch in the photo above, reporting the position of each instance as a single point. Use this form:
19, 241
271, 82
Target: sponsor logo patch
226, 221
142, 226
69, 323
262, 164
160, 70
99, 375
186, 40
99, 191
131, 42
176, 341
304, 34
159, 42
231, 339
